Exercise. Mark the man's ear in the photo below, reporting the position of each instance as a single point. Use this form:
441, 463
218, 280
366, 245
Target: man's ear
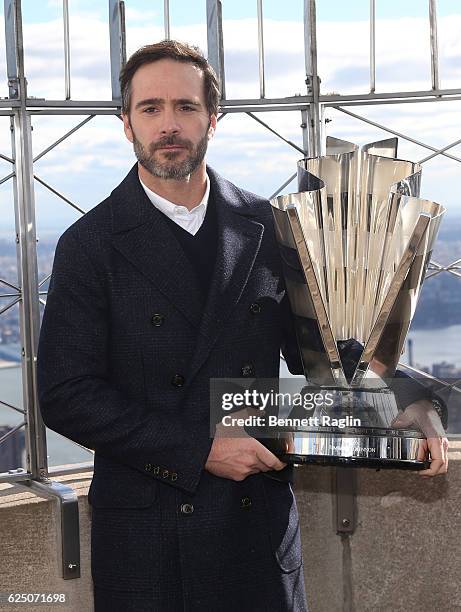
127, 127
212, 126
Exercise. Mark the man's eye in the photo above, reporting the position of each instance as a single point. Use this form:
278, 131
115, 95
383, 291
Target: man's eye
187, 107
150, 109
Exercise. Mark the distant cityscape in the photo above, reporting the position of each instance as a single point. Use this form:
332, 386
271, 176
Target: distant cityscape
439, 305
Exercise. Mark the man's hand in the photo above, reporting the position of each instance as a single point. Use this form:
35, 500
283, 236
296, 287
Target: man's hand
425, 417
235, 455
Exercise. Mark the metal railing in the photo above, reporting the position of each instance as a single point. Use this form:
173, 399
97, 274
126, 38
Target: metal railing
21, 108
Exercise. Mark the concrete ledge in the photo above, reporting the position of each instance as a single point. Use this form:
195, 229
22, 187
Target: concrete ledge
405, 552
403, 556
29, 552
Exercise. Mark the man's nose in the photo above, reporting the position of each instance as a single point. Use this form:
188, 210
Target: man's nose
170, 123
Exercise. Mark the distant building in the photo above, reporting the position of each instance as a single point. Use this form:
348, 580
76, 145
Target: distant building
445, 370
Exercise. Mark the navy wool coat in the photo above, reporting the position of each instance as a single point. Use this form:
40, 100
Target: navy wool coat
125, 356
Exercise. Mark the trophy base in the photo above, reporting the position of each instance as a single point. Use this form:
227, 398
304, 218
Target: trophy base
388, 449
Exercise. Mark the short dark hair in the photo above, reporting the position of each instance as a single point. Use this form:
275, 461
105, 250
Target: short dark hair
178, 51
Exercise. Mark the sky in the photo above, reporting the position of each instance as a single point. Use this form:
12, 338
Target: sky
87, 166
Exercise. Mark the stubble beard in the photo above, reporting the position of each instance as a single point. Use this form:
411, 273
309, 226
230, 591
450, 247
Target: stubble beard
170, 168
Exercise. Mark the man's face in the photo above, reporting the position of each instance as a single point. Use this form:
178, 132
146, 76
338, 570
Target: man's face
168, 123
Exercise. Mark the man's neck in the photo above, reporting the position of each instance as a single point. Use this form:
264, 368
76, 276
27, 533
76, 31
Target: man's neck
186, 192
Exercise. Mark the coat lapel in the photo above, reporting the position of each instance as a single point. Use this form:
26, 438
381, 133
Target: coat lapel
239, 240
142, 235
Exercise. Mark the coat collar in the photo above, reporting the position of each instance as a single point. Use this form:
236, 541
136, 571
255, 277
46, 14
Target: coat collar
141, 234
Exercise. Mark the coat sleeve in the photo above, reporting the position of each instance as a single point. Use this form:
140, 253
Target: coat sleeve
76, 396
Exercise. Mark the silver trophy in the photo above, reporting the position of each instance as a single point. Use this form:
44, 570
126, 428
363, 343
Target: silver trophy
355, 242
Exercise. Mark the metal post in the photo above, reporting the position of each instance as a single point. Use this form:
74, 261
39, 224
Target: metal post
434, 44
117, 44
372, 46
215, 41
24, 204
262, 84
65, 15
166, 18
12, 10
312, 79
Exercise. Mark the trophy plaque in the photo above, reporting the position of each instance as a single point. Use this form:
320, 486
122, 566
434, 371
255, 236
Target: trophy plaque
355, 242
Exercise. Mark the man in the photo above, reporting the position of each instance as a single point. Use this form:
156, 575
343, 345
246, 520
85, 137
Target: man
172, 280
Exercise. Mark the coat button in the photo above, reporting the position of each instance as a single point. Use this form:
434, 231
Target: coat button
187, 508
173, 476
248, 370
178, 380
165, 474
245, 502
255, 308
157, 319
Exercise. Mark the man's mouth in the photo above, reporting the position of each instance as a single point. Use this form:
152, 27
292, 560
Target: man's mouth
173, 147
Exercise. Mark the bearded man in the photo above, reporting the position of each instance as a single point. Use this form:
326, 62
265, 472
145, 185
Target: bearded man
172, 280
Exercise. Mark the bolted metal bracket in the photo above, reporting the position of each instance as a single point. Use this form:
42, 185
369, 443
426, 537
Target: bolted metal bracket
68, 534
346, 510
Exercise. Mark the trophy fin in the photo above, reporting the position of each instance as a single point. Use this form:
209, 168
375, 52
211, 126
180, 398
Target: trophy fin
324, 350
336, 146
383, 148
376, 356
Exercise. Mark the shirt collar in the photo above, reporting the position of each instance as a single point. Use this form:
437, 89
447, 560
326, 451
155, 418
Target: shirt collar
170, 209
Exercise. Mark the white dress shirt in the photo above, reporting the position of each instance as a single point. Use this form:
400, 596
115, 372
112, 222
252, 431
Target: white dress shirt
192, 220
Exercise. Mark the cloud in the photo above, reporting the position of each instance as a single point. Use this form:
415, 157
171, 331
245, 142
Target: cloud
243, 150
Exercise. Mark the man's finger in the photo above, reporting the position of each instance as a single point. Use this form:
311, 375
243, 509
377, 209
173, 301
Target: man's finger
269, 459
422, 451
437, 449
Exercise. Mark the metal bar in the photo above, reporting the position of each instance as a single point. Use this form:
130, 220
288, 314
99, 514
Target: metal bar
6, 158
15, 476
399, 134
312, 79
9, 284
434, 44
12, 432
442, 383
74, 111
66, 504
215, 41
166, 18
12, 10
88, 104
43, 281
221, 116
390, 94
372, 45
53, 190
117, 44
287, 182
4, 295
453, 144
289, 142
8, 306
305, 131
20, 410
262, 83
29, 310
66, 135
77, 468
6, 178
65, 18
346, 513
